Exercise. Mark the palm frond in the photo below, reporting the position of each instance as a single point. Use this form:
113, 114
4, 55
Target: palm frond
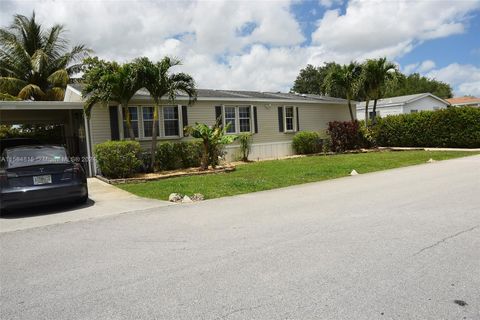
31, 91
59, 78
11, 85
55, 94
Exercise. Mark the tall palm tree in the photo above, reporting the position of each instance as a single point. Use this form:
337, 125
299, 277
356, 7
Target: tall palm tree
36, 63
109, 81
377, 73
345, 80
160, 83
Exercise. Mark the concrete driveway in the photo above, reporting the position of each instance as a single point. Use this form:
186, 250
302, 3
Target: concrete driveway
398, 244
104, 200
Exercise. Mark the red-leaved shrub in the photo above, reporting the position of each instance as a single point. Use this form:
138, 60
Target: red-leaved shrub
344, 135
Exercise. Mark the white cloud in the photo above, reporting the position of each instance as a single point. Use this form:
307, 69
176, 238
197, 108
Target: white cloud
426, 65
464, 78
330, 3
391, 28
423, 67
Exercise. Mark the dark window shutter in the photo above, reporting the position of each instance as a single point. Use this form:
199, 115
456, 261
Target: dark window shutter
175, 111
218, 114
255, 121
184, 116
298, 121
280, 119
114, 130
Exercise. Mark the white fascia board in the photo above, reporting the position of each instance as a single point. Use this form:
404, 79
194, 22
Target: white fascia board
249, 100
40, 105
379, 106
428, 95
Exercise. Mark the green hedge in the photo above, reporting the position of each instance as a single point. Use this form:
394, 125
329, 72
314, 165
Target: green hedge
452, 127
307, 142
178, 155
118, 159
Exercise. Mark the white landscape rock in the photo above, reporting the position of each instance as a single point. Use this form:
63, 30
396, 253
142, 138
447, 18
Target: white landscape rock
186, 199
175, 197
354, 173
431, 160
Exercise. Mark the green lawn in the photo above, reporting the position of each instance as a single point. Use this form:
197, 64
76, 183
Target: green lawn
267, 175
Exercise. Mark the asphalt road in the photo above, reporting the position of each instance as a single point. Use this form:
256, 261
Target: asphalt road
398, 244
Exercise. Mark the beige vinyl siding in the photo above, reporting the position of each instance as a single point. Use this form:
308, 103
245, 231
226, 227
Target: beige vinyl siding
99, 124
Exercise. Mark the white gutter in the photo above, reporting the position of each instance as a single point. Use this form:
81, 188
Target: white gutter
89, 150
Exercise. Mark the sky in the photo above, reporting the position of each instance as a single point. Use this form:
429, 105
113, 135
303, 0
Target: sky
262, 45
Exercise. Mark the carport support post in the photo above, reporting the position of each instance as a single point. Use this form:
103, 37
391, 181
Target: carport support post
91, 170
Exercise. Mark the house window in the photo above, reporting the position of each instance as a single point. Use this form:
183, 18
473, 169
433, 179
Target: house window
413, 111
170, 121
147, 113
230, 117
133, 111
289, 119
436, 108
239, 118
244, 118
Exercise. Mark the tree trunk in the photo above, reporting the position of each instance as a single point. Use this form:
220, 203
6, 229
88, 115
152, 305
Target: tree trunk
374, 111
366, 112
350, 109
154, 137
205, 156
128, 121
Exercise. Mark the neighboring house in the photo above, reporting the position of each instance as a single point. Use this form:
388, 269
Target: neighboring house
272, 118
465, 102
402, 104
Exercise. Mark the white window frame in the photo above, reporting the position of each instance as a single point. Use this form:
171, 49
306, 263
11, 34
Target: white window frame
161, 124
143, 124
123, 122
294, 119
179, 119
237, 118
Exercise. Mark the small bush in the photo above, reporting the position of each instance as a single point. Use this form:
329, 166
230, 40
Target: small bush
245, 145
118, 159
452, 127
344, 135
171, 156
307, 142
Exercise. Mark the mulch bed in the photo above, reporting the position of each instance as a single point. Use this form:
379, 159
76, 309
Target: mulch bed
144, 177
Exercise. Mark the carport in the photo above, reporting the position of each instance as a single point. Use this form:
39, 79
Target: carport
64, 123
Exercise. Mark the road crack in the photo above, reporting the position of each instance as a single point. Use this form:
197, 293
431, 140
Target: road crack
446, 238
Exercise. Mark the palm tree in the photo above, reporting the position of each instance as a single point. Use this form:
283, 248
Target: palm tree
377, 74
344, 80
36, 63
109, 81
160, 83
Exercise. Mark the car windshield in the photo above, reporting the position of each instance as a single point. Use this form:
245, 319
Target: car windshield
31, 156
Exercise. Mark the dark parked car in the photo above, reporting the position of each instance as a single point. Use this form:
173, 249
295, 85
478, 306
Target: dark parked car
40, 174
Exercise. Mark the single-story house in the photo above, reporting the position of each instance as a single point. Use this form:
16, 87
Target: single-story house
464, 102
402, 105
272, 118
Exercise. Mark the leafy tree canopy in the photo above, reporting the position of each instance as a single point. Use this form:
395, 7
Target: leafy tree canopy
415, 83
311, 80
